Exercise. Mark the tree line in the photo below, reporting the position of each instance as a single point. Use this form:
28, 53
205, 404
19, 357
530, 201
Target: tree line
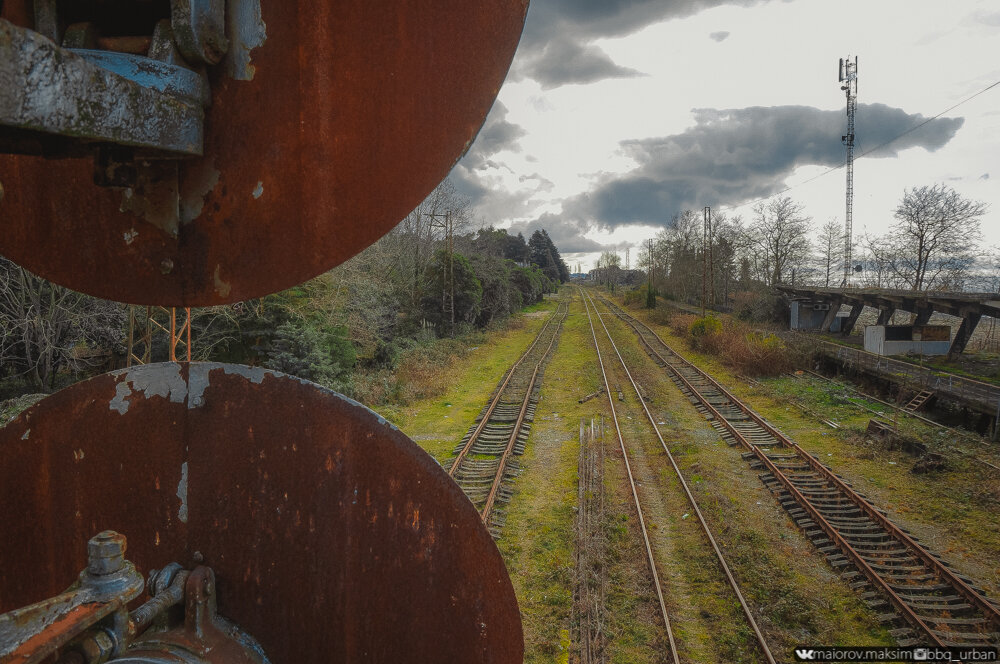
363, 314
933, 244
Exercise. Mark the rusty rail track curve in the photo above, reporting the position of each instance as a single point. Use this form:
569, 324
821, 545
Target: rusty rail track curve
758, 634
482, 464
928, 601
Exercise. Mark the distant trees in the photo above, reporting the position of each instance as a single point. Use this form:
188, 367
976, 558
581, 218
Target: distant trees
830, 248
934, 239
544, 254
778, 238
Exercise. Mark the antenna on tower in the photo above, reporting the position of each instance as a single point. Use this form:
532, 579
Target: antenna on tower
848, 75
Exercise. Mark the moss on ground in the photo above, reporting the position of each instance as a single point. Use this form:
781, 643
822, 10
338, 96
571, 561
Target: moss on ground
438, 424
953, 511
795, 596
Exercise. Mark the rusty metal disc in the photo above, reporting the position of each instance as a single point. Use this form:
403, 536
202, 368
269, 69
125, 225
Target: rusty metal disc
333, 537
329, 122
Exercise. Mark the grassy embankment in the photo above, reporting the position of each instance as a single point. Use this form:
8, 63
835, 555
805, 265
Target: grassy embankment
796, 597
953, 511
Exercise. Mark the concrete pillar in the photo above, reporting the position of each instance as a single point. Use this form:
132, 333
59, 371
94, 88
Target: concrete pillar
832, 314
885, 315
965, 330
849, 322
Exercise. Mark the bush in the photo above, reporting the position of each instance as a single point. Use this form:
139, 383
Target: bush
322, 356
737, 344
643, 296
705, 327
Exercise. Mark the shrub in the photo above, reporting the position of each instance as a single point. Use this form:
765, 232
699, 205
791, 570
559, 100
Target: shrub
738, 345
703, 330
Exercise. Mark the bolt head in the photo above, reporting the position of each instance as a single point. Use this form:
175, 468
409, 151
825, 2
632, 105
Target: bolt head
106, 553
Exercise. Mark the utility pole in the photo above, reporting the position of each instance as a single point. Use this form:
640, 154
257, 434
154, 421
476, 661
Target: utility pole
443, 221
848, 75
707, 268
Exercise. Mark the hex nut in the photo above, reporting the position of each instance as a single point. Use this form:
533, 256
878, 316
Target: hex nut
106, 553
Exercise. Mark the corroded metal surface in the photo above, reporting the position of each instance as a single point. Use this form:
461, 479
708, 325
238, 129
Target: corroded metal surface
333, 537
54, 90
329, 122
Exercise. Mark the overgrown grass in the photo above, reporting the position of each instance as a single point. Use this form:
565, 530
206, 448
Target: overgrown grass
953, 511
796, 596
456, 387
739, 344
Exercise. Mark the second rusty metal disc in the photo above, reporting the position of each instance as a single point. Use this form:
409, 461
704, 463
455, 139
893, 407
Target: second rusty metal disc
329, 122
333, 537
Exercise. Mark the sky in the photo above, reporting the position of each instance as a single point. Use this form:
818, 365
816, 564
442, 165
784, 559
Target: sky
618, 114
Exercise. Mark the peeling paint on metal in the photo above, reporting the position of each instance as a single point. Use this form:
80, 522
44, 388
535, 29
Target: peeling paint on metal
198, 181
247, 31
130, 235
199, 378
221, 287
162, 380
258, 191
25, 435
182, 493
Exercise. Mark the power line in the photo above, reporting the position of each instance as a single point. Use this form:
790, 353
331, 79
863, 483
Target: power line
863, 154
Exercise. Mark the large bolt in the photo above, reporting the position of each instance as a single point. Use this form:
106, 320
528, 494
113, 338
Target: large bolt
106, 553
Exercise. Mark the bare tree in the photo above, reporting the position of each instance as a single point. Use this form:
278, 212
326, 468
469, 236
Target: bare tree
45, 328
935, 237
778, 239
829, 244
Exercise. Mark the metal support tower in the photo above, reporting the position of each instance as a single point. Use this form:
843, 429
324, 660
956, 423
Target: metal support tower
848, 74
157, 320
444, 222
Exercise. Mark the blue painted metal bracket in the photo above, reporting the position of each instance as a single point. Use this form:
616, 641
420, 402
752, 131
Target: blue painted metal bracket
110, 98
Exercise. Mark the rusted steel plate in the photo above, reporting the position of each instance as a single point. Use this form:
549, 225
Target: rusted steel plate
329, 122
333, 536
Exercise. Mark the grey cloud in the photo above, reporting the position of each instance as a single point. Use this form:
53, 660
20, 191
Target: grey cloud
563, 61
497, 134
731, 156
566, 235
722, 35
983, 17
582, 22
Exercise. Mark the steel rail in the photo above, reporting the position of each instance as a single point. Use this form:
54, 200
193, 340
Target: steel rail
761, 641
495, 401
508, 450
940, 570
635, 493
516, 432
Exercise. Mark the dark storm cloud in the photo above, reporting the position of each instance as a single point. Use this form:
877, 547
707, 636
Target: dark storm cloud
732, 156
555, 29
473, 175
566, 235
497, 134
563, 61
722, 35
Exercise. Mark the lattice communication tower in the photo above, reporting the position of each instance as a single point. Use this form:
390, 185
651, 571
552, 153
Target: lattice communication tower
848, 77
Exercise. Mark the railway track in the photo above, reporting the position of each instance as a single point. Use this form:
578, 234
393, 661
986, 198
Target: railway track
747, 614
920, 596
484, 462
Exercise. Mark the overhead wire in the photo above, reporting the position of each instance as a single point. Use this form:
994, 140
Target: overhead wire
863, 154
